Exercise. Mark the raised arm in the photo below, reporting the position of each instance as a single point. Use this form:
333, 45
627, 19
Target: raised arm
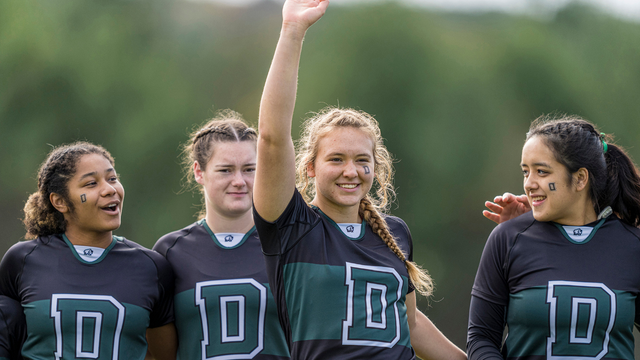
275, 173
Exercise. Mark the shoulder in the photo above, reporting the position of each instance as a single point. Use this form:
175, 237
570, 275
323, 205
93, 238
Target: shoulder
633, 231
22, 249
510, 229
156, 258
296, 212
397, 226
168, 241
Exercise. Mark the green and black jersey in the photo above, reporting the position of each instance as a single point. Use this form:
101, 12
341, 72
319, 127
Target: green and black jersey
223, 305
12, 329
564, 292
80, 310
338, 297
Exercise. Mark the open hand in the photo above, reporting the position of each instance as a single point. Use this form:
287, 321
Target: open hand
303, 13
506, 207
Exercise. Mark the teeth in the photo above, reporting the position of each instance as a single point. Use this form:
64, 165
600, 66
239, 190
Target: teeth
538, 198
348, 186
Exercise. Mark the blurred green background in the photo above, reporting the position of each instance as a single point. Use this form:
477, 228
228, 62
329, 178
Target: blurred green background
454, 94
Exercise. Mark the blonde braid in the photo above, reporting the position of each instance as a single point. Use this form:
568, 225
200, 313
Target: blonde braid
419, 277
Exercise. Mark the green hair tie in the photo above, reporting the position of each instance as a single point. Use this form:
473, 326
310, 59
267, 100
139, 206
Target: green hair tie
604, 144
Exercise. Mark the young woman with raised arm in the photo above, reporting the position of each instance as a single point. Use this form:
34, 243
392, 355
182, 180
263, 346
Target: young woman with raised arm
340, 269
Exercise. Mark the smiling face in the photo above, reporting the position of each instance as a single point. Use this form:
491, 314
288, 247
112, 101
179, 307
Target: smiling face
228, 178
96, 197
553, 193
343, 172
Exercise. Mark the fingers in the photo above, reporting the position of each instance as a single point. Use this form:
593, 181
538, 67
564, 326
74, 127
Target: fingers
491, 216
496, 208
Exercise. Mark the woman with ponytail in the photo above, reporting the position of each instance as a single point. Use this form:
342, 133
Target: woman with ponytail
341, 271
218, 260
86, 293
563, 277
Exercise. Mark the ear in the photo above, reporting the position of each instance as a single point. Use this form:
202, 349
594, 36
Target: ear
311, 171
198, 173
58, 202
581, 179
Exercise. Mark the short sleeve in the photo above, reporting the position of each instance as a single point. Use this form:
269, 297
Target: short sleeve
162, 312
281, 235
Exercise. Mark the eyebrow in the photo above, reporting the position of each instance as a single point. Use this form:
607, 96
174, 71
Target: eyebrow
231, 165
94, 173
538, 164
342, 154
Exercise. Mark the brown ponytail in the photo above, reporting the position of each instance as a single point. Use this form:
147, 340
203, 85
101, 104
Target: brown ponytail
419, 277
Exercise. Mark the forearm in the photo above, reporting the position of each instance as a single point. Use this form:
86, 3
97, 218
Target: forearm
429, 343
279, 93
486, 325
163, 342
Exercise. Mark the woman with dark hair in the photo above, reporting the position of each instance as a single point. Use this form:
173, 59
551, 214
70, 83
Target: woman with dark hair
86, 293
223, 306
563, 278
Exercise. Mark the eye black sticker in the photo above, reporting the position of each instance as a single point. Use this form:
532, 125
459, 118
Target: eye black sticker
366, 169
552, 186
83, 198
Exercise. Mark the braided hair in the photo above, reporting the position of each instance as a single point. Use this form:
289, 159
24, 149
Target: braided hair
372, 205
226, 126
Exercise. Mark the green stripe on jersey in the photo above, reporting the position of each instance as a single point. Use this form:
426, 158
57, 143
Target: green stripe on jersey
571, 319
358, 304
107, 326
236, 324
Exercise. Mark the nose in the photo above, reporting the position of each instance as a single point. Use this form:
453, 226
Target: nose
108, 190
530, 183
350, 170
238, 180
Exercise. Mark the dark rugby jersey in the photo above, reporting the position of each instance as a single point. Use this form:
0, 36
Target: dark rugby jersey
223, 305
12, 329
338, 297
77, 309
569, 292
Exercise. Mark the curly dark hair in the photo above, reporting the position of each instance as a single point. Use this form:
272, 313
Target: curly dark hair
40, 217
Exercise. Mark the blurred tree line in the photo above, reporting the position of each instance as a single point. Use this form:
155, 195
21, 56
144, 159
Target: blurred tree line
454, 94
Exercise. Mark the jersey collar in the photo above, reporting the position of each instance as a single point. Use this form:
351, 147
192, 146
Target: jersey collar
362, 228
203, 222
114, 239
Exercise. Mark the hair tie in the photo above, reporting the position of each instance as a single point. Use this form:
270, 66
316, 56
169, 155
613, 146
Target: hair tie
604, 144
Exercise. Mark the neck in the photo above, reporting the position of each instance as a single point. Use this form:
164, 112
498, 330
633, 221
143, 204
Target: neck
584, 216
339, 214
79, 237
229, 224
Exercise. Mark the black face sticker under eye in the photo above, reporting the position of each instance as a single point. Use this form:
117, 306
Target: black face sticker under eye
83, 198
552, 186
366, 169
